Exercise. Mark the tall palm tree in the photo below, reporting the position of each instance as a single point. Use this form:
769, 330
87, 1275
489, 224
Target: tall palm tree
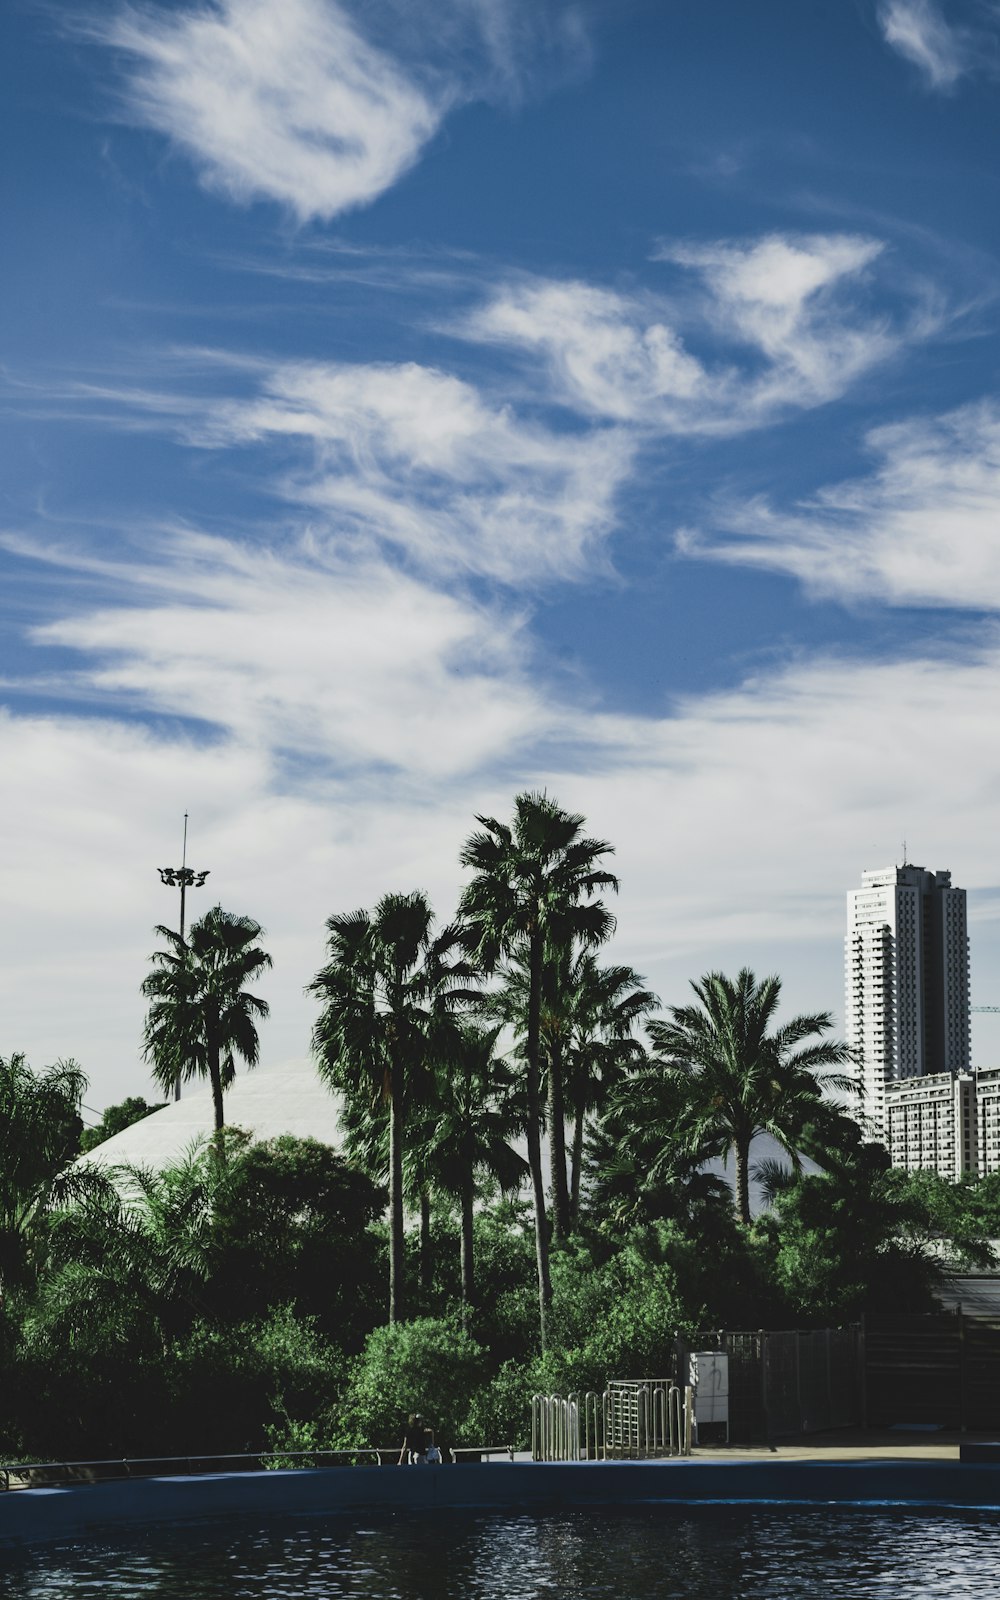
742, 1076
535, 882
201, 1017
463, 1133
509, 1004
586, 1041
364, 1120
606, 1003
385, 993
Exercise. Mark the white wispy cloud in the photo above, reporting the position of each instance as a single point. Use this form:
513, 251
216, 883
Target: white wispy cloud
787, 316
388, 457
285, 103
320, 105
941, 50
604, 357
413, 458
348, 662
795, 300
923, 529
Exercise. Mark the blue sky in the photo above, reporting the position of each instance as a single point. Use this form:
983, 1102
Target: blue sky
405, 405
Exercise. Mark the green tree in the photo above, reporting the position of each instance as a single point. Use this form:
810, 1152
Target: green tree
291, 1226
606, 1003
534, 885
586, 1019
857, 1236
463, 1133
201, 1017
430, 1366
40, 1129
642, 1161
742, 1075
385, 997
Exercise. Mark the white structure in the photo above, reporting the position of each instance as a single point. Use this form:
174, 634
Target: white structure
988, 1119
907, 970
283, 1097
708, 1376
930, 1123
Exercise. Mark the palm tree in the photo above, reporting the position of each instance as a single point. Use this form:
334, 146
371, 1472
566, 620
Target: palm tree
535, 884
606, 1004
643, 1163
385, 992
742, 1079
585, 1039
201, 1017
365, 1124
39, 1136
463, 1133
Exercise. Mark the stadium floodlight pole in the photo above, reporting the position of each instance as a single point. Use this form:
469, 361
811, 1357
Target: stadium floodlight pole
182, 878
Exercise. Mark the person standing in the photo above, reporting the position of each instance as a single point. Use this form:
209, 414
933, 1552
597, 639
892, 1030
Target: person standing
414, 1449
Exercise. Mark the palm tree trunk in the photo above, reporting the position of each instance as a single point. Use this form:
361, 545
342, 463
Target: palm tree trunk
468, 1267
396, 1291
557, 1146
534, 1134
215, 1078
576, 1165
741, 1150
424, 1268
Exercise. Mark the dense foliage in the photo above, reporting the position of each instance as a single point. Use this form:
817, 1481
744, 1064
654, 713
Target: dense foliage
236, 1301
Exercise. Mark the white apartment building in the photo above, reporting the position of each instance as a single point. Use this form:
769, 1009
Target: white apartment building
988, 1119
931, 1123
907, 981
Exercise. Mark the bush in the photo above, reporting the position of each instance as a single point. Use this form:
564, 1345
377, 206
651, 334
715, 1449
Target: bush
233, 1389
431, 1366
500, 1412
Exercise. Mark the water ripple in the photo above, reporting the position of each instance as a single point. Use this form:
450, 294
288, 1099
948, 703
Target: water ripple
656, 1553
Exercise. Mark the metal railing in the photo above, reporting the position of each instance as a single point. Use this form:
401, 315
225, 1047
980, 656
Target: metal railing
42, 1474
634, 1419
481, 1452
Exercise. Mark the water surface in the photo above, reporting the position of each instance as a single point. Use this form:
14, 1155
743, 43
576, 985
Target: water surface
685, 1553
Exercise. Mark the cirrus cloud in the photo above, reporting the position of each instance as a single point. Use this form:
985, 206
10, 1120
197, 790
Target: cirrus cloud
783, 322
943, 51
922, 530
321, 105
414, 458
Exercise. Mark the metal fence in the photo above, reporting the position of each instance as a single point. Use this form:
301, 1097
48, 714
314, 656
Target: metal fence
635, 1419
939, 1370
790, 1381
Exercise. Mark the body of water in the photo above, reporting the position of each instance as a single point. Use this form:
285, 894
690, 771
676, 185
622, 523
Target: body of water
691, 1553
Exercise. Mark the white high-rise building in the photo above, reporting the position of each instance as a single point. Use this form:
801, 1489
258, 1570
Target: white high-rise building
907, 969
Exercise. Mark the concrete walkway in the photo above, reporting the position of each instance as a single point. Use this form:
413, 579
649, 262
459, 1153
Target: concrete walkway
848, 1444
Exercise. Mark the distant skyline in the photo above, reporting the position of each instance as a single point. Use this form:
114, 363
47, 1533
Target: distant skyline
403, 406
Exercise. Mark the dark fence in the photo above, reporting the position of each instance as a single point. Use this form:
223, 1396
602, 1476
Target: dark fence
938, 1370
789, 1382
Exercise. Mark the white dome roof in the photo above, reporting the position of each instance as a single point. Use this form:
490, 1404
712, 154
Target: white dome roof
283, 1097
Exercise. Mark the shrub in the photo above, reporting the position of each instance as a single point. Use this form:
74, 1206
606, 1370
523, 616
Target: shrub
431, 1366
